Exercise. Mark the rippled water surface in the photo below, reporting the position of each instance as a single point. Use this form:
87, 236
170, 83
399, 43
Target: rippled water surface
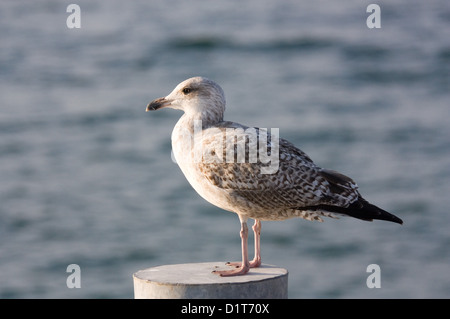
86, 176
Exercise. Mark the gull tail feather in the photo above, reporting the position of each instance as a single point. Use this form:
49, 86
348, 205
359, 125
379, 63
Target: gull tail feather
360, 209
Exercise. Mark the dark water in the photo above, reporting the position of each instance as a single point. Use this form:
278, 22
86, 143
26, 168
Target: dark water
86, 176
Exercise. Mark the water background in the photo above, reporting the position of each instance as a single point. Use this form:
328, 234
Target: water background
86, 176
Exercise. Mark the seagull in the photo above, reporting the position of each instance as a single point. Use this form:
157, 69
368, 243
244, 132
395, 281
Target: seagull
227, 164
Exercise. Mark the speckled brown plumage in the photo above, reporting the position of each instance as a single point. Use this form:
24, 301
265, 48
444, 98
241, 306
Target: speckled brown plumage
295, 186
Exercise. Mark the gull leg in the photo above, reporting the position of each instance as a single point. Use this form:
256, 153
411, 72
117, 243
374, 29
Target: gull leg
256, 262
245, 265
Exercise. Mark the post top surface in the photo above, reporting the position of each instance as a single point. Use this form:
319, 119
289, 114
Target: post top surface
201, 274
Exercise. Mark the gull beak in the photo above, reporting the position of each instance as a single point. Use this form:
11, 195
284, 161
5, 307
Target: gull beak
158, 104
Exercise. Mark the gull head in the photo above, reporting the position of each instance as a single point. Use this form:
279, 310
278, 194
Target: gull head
195, 96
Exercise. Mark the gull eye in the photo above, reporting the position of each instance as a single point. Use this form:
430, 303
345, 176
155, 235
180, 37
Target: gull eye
187, 90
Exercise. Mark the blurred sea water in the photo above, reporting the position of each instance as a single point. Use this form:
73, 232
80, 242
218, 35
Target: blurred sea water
86, 175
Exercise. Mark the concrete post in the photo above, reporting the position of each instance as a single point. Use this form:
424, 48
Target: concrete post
195, 281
